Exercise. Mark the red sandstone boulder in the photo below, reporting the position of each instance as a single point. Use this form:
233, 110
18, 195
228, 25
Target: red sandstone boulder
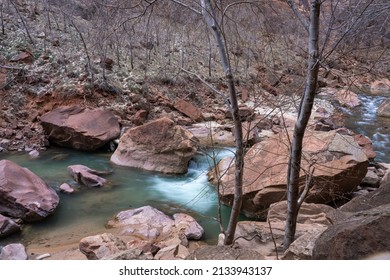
80, 128
340, 165
159, 145
23, 194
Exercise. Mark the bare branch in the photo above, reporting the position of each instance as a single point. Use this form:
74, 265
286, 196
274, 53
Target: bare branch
187, 6
298, 14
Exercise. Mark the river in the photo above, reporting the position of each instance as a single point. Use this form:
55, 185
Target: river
87, 211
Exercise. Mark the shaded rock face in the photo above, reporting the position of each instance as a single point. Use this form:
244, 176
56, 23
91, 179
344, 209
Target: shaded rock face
159, 146
7, 226
339, 166
376, 198
80, 128
363, 234
23, 194
14, 251
361, 231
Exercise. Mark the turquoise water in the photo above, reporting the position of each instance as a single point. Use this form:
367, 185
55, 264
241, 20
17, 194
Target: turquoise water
87, 211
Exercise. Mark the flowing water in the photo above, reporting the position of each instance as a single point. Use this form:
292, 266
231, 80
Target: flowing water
87, 211
364, 120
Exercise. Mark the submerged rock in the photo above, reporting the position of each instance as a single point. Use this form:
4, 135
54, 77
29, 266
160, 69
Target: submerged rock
80, 128
23, 194
159, 145
87, 176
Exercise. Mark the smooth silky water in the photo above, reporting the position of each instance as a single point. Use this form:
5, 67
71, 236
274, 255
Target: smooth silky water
87, 211
364, 120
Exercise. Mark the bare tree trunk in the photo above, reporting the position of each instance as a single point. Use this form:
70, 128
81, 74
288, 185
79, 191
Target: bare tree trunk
210, 17
304, 113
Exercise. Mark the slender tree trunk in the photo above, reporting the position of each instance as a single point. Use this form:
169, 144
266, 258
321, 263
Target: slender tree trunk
304, 113
209, 15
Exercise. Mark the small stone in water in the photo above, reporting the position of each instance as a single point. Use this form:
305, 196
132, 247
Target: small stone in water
34, 154
66, 188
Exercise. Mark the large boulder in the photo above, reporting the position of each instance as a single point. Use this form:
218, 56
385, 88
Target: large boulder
267, 237
101, 246
23, 194
8, 226
150, 223
384, 109
361, 231
338, 161
15, 251
80, 128
361, 235
146, 221
159, 145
